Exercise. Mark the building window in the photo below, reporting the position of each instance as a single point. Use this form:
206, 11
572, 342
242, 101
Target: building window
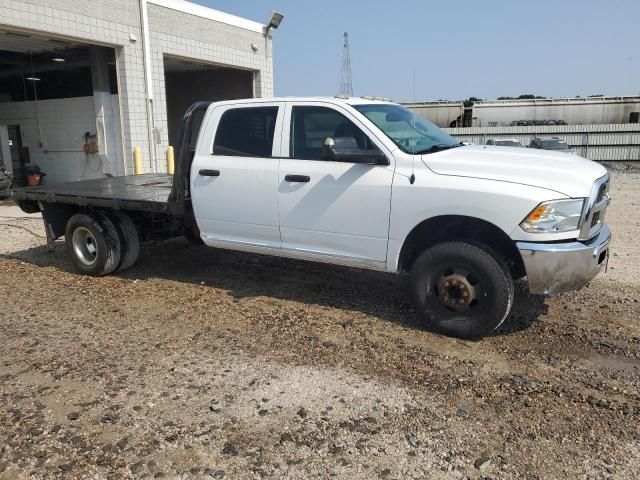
246, 132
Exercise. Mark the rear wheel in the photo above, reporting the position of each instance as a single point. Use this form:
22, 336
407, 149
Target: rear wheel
192, 232
461, 290
93, 243
128, 238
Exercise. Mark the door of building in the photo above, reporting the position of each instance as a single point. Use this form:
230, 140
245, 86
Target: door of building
17, 159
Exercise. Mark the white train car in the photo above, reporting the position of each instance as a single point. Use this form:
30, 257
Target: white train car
442, 113
557, 111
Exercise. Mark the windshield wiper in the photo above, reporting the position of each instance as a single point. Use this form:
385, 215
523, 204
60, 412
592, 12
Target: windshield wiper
438, 148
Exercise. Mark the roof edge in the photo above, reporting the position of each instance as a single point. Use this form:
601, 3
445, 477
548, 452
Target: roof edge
209, 13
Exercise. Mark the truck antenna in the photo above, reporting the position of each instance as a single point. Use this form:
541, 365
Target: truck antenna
412, 178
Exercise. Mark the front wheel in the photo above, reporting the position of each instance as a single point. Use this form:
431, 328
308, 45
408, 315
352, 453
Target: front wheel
461, 290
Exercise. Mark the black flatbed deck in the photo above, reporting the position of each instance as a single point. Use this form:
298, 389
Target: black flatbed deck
150, 192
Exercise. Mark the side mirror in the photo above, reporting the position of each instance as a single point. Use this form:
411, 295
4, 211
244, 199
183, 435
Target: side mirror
345, 149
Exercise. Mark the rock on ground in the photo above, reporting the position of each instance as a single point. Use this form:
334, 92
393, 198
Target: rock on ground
199, 363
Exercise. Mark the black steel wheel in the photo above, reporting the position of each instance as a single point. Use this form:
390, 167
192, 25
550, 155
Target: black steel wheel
461, 290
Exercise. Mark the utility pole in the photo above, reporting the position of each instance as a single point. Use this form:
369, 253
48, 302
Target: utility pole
346, 88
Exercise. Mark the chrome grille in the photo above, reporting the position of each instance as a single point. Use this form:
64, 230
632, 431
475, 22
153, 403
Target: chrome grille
595, 208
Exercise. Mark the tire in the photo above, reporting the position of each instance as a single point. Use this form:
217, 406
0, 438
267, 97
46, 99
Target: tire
192, 239
129, 238
461, 290
192, 233
93, 244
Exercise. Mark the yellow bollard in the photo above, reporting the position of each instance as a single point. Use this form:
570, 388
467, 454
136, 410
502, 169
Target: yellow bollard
170, 160
137, 161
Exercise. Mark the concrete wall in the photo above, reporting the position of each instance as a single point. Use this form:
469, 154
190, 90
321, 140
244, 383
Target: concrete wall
105, 22
117, 23
63, 123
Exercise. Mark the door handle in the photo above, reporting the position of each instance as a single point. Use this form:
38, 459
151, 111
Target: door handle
297, 178
209, 173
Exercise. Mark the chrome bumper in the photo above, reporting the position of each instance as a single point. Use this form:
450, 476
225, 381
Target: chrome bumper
560, 267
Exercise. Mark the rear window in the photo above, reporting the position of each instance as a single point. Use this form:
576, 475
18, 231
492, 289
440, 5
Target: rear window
507, 143
553, 145
246, 132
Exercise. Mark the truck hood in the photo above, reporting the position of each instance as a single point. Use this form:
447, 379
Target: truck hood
564, 173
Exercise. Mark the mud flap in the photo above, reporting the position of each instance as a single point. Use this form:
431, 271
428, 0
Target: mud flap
55, 217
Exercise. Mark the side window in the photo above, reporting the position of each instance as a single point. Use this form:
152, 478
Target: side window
311, 125
246, 132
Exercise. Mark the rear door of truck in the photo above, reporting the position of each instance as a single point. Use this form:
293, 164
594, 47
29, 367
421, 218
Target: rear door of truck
234, 175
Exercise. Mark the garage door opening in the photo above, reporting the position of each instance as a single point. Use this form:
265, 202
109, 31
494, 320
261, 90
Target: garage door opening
187, 82
59, 108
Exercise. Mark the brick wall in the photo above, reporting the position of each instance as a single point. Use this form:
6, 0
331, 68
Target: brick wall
108, 22
182, 35
111, 22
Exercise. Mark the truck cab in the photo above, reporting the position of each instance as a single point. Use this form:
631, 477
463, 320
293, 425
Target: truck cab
368, 184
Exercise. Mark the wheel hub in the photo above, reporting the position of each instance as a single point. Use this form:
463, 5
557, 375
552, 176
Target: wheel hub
456, 292
84, 246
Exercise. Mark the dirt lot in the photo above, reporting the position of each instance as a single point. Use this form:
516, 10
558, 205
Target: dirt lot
207, 364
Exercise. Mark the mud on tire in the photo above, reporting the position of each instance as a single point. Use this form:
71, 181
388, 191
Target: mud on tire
460, 289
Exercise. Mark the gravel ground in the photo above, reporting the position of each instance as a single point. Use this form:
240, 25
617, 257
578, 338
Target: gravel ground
200, 363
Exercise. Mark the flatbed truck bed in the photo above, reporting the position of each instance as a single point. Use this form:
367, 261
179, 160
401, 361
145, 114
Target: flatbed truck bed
144, 207
143, 193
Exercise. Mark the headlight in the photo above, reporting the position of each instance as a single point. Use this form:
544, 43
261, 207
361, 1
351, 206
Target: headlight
556, 216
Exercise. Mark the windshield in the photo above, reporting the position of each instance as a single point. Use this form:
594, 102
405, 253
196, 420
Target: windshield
408, 130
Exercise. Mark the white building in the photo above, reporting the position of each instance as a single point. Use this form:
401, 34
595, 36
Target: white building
84, 82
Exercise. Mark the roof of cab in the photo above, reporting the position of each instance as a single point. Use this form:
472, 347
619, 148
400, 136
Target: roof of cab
334, 100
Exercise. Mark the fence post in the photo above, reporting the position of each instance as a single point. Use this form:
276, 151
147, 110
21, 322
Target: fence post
586, 149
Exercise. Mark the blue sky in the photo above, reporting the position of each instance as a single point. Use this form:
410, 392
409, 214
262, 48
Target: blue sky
458, 48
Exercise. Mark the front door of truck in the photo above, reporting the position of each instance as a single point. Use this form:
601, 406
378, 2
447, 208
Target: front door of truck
234, 176
337, 211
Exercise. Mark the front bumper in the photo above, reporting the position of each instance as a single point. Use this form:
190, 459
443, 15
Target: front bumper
560, 267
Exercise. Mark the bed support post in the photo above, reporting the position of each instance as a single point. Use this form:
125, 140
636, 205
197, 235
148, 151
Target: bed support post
50, 237
48, 228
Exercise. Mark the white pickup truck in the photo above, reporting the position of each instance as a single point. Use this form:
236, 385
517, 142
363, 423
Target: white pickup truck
360, 183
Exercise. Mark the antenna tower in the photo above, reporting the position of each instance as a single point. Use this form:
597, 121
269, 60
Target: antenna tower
346, 88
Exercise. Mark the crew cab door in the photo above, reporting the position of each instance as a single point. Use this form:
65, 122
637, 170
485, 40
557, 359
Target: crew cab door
234, 176
329, 210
